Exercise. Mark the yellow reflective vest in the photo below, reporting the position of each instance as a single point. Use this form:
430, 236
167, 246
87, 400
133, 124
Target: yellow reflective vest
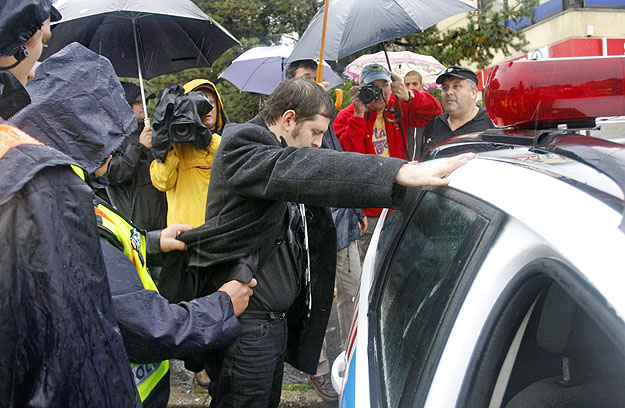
146, 376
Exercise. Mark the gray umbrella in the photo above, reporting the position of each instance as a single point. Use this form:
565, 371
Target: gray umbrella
141, 38
356, 24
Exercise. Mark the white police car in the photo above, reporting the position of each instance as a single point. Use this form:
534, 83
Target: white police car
507, 288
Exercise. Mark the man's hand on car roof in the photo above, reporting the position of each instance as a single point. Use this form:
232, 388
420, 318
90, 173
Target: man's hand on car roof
430, 173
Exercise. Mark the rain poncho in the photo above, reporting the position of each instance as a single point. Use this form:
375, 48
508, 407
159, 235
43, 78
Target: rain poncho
59, 341
152, 328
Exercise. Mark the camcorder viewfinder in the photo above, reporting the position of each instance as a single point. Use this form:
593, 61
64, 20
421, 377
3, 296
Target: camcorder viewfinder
369, 93
178, 119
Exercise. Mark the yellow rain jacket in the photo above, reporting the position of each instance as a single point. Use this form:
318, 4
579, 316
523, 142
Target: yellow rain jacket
185, 175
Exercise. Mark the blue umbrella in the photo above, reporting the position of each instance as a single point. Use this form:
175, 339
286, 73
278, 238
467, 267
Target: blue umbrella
141, 38
261, 69
356, 24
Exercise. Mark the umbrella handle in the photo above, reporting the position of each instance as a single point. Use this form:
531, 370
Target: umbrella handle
339, 98
400, 114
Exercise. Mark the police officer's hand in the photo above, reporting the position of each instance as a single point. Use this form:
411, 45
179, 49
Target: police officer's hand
430, 173
359, 107
398, 88
145, 138
239, 293
169, 235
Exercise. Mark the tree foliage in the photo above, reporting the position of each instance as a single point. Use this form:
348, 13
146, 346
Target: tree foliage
255, 23
486, 33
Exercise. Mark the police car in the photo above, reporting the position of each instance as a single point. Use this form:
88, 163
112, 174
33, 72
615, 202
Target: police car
506, 288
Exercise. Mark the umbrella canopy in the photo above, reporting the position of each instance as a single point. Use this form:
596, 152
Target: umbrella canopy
261, 69
356, 24
171, 35
402, 62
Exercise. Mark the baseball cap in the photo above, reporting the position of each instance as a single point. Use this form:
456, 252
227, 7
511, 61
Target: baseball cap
20, 20
373, 72
457, 71
133, 93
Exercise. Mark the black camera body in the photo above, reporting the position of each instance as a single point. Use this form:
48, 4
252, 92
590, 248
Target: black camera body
369, 93
178, 119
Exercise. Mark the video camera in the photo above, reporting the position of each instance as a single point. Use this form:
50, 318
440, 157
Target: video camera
369, 93
178, 119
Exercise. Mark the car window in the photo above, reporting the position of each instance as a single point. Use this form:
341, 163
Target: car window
422, 273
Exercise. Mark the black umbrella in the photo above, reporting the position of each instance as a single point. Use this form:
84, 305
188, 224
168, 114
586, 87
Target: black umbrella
142, 38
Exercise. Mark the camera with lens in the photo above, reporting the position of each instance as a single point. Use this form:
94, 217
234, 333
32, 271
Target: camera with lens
178, 119
369, 93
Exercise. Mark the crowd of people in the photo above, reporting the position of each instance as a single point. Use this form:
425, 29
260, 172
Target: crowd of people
221, 244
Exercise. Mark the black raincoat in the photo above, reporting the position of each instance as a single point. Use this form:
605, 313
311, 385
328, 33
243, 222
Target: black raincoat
60, 345
152, 328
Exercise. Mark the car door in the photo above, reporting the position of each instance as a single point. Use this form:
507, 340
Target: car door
426, 270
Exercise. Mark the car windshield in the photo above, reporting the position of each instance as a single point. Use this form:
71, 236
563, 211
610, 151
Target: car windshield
421, 275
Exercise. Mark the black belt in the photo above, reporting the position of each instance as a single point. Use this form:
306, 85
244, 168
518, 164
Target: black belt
260, 315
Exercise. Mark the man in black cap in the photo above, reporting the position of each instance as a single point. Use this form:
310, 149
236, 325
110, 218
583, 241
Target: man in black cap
60, 345
130, 188
461, 115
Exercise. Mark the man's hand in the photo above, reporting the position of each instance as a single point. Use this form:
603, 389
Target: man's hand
239, 293
430, 173
398, 88
363, 225
359, 107
145, 138
168, 237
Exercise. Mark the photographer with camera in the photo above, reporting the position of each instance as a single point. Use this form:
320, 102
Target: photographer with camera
186, 136
376, 122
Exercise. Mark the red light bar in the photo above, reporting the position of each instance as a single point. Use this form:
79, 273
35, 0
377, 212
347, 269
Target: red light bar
544, 93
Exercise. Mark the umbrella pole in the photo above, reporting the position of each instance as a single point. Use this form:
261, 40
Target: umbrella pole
388, 61
323, 42
146, 121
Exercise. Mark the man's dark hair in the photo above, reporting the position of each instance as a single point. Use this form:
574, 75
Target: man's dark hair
303, 96
293, 66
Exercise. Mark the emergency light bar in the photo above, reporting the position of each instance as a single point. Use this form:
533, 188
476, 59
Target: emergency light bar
546, 93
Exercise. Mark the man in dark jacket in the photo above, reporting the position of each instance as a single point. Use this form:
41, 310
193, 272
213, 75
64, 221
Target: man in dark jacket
461, 115
130, 187
254, 228
59, 342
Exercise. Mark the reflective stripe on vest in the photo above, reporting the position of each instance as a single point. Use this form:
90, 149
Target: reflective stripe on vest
146, 376
11, 137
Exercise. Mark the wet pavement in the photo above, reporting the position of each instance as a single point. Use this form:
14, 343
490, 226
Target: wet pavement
295, 389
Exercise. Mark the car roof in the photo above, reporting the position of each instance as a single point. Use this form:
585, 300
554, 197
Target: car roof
574, 207
592, 164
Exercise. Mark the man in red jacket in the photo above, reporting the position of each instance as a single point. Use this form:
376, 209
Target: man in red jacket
379, 126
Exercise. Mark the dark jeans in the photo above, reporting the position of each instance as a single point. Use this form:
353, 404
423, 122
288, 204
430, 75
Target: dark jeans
249, 372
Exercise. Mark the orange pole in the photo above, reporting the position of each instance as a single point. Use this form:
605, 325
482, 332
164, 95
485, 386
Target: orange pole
323, 43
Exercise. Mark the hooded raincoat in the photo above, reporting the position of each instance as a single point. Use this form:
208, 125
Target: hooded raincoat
152, 328
185, 174
60, 345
